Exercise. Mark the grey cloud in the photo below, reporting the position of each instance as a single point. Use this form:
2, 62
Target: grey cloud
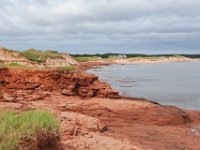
101, 25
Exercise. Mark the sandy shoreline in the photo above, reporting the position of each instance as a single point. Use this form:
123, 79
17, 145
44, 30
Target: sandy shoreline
92, 64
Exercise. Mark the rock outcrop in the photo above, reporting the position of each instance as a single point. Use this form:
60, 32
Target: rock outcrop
124, 124
16, 85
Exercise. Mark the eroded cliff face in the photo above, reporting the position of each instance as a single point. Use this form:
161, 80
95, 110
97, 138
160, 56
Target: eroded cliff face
99, 122
18, 84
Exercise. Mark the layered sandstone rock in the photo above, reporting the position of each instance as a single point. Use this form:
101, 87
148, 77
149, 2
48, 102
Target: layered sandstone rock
88, 133
131, 124
32, 85
7, 97
84, 122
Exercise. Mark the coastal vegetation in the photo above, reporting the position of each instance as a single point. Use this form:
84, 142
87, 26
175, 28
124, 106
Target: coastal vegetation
67, 68
15, 128
36, 59
61, 69
21, 66
107, 56
87, 58
41, 56
15, 64
12, 65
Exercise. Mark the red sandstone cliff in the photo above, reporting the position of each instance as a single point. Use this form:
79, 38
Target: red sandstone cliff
16, 85
99, 122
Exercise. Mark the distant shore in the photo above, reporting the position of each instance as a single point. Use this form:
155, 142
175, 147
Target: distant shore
137, 60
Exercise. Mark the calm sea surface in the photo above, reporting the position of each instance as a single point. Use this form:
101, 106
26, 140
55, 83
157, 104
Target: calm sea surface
167, 83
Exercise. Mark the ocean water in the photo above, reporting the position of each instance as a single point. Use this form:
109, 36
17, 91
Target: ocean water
175, 83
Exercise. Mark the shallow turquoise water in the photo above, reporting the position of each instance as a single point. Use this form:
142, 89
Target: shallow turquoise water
167, 83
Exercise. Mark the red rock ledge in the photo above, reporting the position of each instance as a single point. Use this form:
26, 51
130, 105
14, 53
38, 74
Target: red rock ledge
18, 84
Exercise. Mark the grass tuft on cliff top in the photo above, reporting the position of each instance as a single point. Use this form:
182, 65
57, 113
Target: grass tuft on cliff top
15, 64
15, 127
65, 69
87, 58
41, 56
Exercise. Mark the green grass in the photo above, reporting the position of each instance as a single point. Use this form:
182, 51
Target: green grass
87, 58
14, 64
15, 127
64, 69
21, 66
41, 56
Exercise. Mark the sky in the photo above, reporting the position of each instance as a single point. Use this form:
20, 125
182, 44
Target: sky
100, 26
